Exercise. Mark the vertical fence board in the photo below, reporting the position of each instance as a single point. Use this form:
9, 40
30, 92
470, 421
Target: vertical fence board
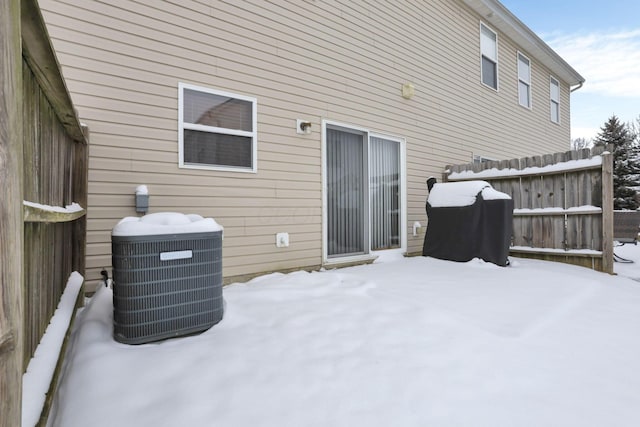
559, 202
518, 222
607, 214
31, 165
596, 200
549, 223
535, 193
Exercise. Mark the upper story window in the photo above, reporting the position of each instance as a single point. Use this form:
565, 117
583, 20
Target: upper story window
217, 130
489, 56
524, 81
554, 96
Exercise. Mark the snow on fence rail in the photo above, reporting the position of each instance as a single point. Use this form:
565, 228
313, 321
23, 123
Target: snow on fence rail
563, 204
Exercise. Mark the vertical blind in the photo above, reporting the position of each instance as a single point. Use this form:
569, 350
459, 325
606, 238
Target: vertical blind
363, 193
384, 172
346, 193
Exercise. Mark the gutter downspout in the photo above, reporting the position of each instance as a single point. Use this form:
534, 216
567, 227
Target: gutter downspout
576, 88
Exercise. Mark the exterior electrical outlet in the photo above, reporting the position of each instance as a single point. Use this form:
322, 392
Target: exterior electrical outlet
282, 240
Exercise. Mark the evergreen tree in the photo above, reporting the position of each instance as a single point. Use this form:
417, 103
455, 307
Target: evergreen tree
626, 164
634, 130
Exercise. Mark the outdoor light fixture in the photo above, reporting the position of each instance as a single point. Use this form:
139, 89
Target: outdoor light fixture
408, 90
303, 127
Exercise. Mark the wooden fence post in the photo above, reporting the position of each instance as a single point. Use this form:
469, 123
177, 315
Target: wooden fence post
11, 226
607, 212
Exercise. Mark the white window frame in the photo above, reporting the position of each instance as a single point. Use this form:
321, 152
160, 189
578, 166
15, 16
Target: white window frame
486, 52
402, 202
182, 125
524, 79
554, 103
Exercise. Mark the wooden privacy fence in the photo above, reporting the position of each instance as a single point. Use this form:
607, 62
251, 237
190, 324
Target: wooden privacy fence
43, 166
55, 168
563, 204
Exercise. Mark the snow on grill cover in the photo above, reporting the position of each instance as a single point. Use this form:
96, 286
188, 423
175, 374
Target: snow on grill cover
468, 220
167, 270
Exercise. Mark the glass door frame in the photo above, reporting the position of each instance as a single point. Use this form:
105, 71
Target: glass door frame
369, 255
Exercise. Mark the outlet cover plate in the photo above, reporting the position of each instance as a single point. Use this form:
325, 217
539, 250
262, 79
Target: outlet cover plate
282, 240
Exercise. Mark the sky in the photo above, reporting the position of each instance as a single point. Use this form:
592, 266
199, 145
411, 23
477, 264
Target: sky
601, 41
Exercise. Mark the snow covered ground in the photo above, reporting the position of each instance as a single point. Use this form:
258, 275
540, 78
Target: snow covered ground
404, 342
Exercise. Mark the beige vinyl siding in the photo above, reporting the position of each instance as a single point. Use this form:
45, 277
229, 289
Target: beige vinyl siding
343, 61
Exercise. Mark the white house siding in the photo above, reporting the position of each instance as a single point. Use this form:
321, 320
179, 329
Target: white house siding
316, 60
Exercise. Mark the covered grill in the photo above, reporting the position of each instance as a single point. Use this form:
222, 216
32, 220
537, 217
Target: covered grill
468, 220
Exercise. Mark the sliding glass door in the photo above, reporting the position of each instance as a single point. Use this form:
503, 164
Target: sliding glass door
346, 193
384, 189
363, 200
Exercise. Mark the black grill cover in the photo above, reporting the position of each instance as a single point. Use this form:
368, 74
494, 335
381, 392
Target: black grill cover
461, 233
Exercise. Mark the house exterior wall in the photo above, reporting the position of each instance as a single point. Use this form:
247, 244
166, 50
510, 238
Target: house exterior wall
342, 61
